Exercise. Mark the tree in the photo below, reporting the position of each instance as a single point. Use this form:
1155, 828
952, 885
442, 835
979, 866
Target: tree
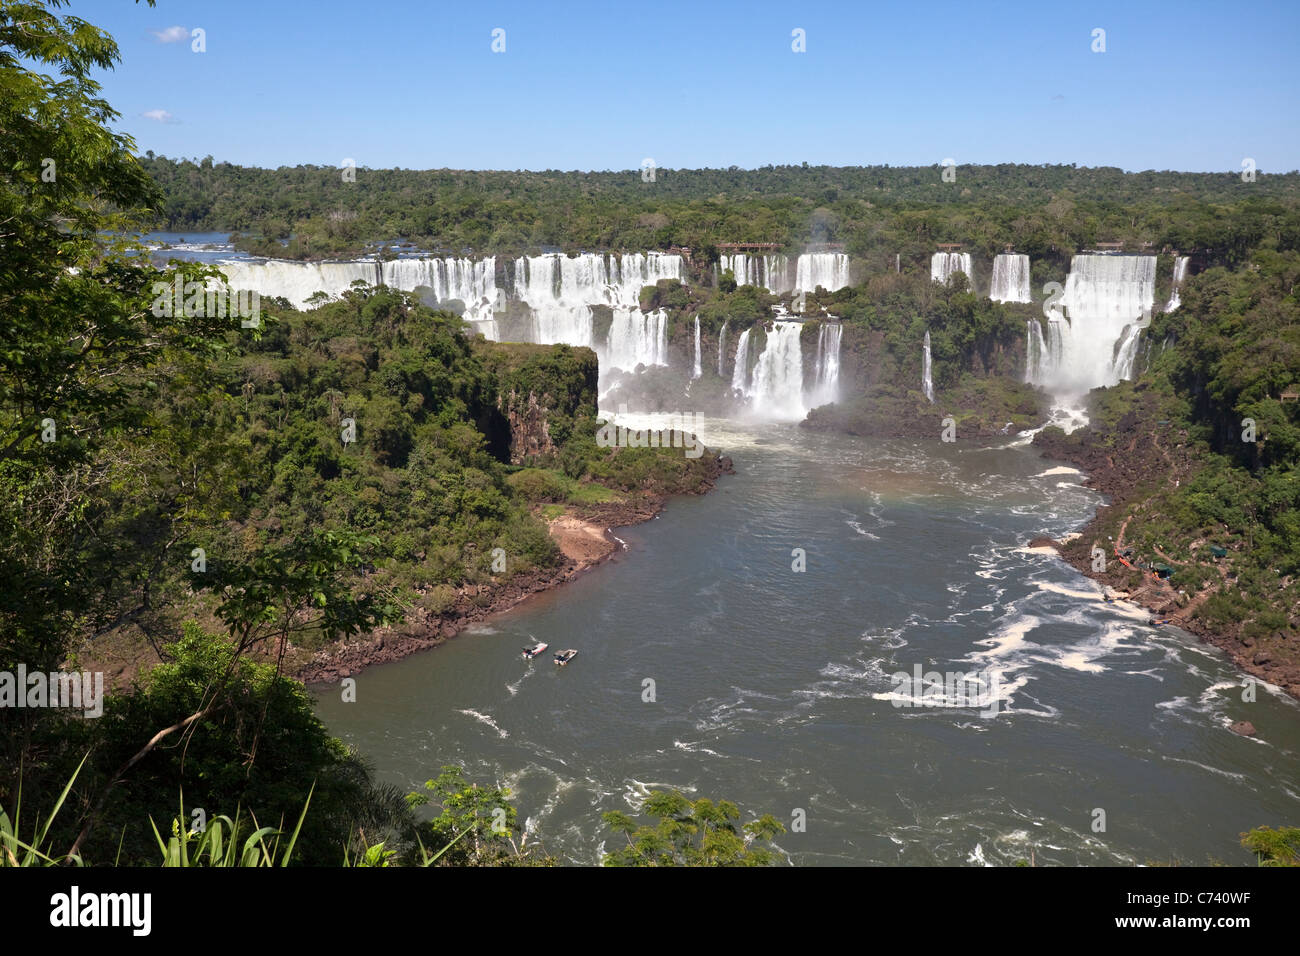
1271, 847
260, 753
81, 347
477, 825
692, 833
287, 589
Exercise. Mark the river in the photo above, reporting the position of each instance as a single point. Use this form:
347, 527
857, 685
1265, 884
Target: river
772, 687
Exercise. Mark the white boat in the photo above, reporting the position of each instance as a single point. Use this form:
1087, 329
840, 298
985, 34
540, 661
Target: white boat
564, 657
535, 650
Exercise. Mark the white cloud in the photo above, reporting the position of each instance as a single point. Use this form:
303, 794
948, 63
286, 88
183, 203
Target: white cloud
171, 34
162, 116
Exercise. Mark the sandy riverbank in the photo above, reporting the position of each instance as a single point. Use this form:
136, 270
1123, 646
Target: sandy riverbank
585, 540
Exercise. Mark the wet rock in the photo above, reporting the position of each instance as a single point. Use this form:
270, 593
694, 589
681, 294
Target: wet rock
1243, 727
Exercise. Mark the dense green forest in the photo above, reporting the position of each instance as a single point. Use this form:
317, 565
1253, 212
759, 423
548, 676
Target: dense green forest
1047, 212
223, 496
228, 500
1212, 452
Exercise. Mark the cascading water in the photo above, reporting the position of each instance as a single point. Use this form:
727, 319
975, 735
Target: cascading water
558, 290
740, 371
829, 270
778, 376
927, 384
298, 281
1036, 358
722, 346
1180, 273
472, 282
768, 272
637, 338
826, 370
1010, 282
696, 372
944, 264
1126, 350
1058, 329
1104, 295
561, 290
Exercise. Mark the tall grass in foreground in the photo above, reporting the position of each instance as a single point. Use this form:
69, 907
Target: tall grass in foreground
218, 841
14, 851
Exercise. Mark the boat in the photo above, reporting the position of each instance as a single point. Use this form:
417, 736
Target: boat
564, 657
535, 650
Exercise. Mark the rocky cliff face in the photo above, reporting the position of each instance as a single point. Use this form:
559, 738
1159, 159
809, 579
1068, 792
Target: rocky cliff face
541, 390
530, 430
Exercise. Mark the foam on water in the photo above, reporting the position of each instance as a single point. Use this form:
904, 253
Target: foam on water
485, 719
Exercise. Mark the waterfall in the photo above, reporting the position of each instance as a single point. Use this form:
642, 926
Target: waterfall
637, 338
927, 384
1104, 296
560, 290
944, 264
297, 281
1126, 350
740, 371
722, 345
830, 270
1010, 282
1057, 331
472, 282
695, 372
1036, 358
778, 376
1180, 273
826, 371
769, 272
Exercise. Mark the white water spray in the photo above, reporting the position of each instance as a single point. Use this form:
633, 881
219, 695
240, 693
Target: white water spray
927, 384
829, 270
740, 371
1180, 273
778, 376
944, 264
826, 371
1010, 282
696, 372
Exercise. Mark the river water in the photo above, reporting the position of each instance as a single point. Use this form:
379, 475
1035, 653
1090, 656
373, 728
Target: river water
772, 687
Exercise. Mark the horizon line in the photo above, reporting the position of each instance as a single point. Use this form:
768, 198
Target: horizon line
723, 169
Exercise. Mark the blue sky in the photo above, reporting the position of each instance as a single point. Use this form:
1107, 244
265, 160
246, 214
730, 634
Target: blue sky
601, 85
